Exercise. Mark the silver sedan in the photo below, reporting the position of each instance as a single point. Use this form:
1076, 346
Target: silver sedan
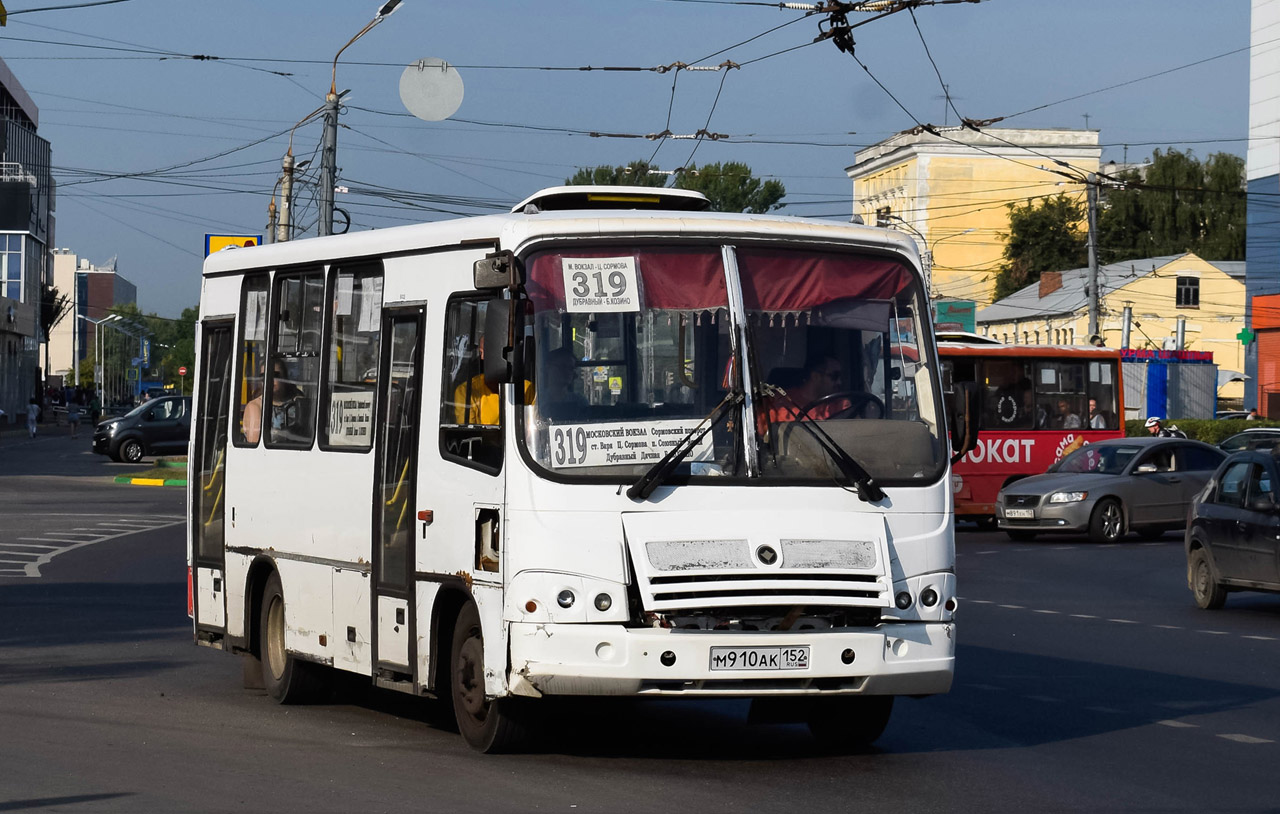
1109, 488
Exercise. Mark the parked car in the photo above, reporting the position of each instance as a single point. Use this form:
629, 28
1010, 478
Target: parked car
157, 426
1253, 438
1109, 488
1223, 414
1233, 537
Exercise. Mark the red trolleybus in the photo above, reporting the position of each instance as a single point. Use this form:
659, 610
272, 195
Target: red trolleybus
1039, 403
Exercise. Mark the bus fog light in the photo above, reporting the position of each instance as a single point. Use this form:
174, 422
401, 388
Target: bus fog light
603, 602
530, 607
902, 600
950, 605
848, 656
565, 599
667, 658
928, 597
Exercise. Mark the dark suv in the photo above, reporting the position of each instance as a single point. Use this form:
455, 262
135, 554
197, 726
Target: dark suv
156, 426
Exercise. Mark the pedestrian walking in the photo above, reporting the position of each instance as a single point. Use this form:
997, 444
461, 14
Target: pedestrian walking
73, 417
33, 413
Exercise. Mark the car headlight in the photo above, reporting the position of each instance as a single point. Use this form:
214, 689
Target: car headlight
1067, 497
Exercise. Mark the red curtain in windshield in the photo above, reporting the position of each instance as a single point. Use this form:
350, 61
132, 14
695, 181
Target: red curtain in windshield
676, 279
791, 280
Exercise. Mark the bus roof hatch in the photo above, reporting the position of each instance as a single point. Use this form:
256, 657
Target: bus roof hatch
613, 197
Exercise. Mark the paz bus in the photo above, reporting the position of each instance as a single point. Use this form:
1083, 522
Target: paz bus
1038, 403
559, 452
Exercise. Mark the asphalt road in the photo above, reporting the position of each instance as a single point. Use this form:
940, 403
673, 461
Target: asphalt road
1087, 681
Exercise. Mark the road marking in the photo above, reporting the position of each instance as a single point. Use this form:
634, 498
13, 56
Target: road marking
108, 531
1123, 621
1014, 607
1082, 616
1245, 739
1054, 613
1215, 632
1046, 699
1064, 548
1178, 724
988, 552
1261, 638
1169, 627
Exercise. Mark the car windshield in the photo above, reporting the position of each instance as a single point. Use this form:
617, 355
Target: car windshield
632, 347
1102, 459
1250, 440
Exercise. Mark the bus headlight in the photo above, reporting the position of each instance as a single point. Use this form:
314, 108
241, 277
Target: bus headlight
1067, 497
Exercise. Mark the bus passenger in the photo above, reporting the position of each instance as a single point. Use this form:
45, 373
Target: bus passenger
1067, 420
475, 403
284, 395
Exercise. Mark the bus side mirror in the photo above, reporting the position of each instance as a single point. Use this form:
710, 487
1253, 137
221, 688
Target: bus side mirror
496, 270
497, 343
964, 420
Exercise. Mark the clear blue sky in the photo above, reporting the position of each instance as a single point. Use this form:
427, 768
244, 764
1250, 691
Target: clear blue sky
111, 105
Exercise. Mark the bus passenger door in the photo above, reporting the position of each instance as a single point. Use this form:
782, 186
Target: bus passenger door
206, 586
395, 494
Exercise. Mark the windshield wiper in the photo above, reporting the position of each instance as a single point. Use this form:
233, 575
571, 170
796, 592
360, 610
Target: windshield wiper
662, 470
866, 485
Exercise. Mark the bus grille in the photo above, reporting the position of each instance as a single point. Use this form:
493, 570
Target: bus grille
677, 575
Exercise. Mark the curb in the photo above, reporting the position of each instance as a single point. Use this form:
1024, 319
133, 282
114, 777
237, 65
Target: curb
150, 481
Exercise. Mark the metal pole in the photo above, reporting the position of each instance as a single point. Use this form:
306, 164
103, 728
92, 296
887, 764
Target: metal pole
1128, 326
1092, 193
328, 162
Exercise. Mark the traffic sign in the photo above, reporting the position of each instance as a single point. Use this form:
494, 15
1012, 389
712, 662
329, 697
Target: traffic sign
182, 371
213, 243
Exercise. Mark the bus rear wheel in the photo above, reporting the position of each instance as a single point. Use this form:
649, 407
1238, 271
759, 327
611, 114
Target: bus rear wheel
286, 678
487, 724
849, 723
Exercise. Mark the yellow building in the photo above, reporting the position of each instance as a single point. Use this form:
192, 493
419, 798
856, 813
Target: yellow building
1207, 298
951, 192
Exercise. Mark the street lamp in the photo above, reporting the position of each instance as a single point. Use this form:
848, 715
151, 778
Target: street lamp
329, 145
98, 356
928, 256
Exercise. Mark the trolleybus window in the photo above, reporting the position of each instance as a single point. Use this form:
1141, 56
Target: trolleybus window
352, 361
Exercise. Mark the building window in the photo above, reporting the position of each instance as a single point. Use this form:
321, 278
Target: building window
1188, 292
11, 266
884, 216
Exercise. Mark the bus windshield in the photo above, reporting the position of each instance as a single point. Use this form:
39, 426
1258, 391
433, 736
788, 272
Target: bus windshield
634, 347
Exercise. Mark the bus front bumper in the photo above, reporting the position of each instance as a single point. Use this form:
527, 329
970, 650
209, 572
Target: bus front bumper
912, 658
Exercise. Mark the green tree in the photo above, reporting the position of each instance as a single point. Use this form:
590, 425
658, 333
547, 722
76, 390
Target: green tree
731, 187
1047, 235
54, 305
1182, 205
635, 174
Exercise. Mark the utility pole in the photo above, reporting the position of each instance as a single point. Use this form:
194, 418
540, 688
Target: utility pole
328, 161
1092, 194
271, 220
284, 232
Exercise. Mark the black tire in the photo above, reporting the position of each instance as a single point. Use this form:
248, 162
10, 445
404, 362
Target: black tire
1020, 536
1209, 593
1107, 523
287, 679
131, 451
489, 725
849, 723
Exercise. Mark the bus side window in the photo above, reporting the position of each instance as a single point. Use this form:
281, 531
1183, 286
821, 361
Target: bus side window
352, 359
471, 413
294, 377
252, 360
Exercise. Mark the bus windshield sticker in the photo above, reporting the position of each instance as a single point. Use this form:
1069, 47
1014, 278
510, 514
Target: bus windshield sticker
628, 443
595, 285
346, 290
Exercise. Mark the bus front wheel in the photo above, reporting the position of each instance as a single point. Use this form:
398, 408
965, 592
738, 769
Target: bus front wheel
286, 678
487, 724
849, 722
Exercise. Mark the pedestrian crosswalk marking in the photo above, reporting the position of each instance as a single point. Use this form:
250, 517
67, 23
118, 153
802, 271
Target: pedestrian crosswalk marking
60, 542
